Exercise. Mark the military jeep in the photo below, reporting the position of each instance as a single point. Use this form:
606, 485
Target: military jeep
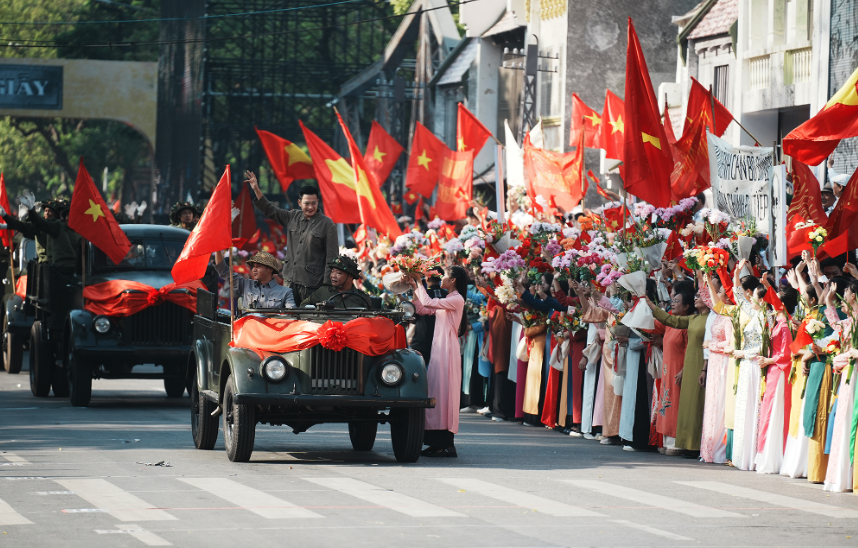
304, 388
70, 345
18, 315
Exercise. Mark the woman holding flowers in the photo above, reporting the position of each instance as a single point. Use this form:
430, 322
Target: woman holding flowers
445, 366
839, 476
748, 293
689, 423
713, 443
776, 368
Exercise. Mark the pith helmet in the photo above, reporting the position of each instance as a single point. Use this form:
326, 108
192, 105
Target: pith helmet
346, 264
265, 259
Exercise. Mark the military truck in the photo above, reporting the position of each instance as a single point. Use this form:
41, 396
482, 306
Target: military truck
244, 387
70, 345
18, 315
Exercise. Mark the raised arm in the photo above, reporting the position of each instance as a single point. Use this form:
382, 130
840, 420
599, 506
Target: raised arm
676, 322
450, 302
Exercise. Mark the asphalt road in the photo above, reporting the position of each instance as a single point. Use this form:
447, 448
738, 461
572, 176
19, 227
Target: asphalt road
75, 477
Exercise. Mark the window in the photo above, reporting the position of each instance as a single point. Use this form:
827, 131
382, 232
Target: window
719, 89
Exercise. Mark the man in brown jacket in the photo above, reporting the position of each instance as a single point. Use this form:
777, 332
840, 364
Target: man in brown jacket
311, 243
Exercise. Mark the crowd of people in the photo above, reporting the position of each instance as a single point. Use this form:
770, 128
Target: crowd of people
733, 361
664, 330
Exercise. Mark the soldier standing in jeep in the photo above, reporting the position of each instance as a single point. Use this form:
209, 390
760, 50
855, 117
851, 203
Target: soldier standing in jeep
311, 239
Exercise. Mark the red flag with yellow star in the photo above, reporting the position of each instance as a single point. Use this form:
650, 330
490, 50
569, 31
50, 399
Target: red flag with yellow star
374, 211
471, 134
382, 152
599, 190
6, 235
424, 161
647, 157
815, 140
90, 217
553, 175
613, 127
690, 175
700, 106
586, 118
287, 159
336, 180
411, 197
212, 233
456, 185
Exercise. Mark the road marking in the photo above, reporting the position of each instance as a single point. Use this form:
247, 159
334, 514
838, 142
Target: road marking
121, 505
385, 498
258, 502
54, 493
520, 498
86, 511
11, 517
146, 537
771, 498
651, 499
651, 530
14, 459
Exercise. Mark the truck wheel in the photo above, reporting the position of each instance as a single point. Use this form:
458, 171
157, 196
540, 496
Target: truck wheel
362, 435
239, 426
203, 425
41, 362
406, 432
79, 381
13, 352
175, 387
60, 382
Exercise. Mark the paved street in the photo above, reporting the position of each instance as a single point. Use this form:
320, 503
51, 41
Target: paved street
73, 477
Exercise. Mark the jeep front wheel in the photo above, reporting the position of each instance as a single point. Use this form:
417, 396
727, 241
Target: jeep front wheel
41, 362
203, 425
239, 426
79, 381
362, 435
406, 432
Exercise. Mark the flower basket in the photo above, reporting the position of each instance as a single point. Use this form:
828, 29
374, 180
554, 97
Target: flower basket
639, 317
395, 282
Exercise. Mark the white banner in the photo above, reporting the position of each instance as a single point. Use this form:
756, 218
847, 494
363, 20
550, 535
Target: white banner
740, 181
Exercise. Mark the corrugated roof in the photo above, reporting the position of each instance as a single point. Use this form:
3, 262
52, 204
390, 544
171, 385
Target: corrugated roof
718, 21
460, 65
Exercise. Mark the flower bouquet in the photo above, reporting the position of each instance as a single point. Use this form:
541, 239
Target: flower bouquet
509, 264
409, 243
414, 264
640, 316
542, 232
817, 238
536, 268
715, 223
677, 216
706, 259
505, 292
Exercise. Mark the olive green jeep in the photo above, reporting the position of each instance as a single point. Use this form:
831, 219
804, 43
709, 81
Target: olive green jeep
304, 388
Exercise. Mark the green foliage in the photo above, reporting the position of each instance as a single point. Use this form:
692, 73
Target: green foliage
42, 154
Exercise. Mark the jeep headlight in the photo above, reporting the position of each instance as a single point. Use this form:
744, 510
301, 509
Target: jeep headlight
408, 310
391, 373
101, 324
274, 369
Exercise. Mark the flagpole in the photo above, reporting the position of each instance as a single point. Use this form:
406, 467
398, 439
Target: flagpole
82, 264
624, 219
581, 203
499, 187
231, 297
712, 102
12, 260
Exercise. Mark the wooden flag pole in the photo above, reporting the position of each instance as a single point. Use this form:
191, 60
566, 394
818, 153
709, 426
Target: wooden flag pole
712, 102
581, 142
12, 261
499, 186
231, 298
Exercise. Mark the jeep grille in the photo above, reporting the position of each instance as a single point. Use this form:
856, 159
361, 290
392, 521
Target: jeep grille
336, 372
159, 325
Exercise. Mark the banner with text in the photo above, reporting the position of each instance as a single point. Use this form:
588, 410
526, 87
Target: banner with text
740, 181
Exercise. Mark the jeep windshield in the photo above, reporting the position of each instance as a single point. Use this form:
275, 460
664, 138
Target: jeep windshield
145, 254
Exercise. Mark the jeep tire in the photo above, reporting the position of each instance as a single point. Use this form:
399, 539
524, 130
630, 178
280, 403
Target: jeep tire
79, 381
203, 425
41, 362
239, 426
174, 386
13, 352
406, 432
362, 435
